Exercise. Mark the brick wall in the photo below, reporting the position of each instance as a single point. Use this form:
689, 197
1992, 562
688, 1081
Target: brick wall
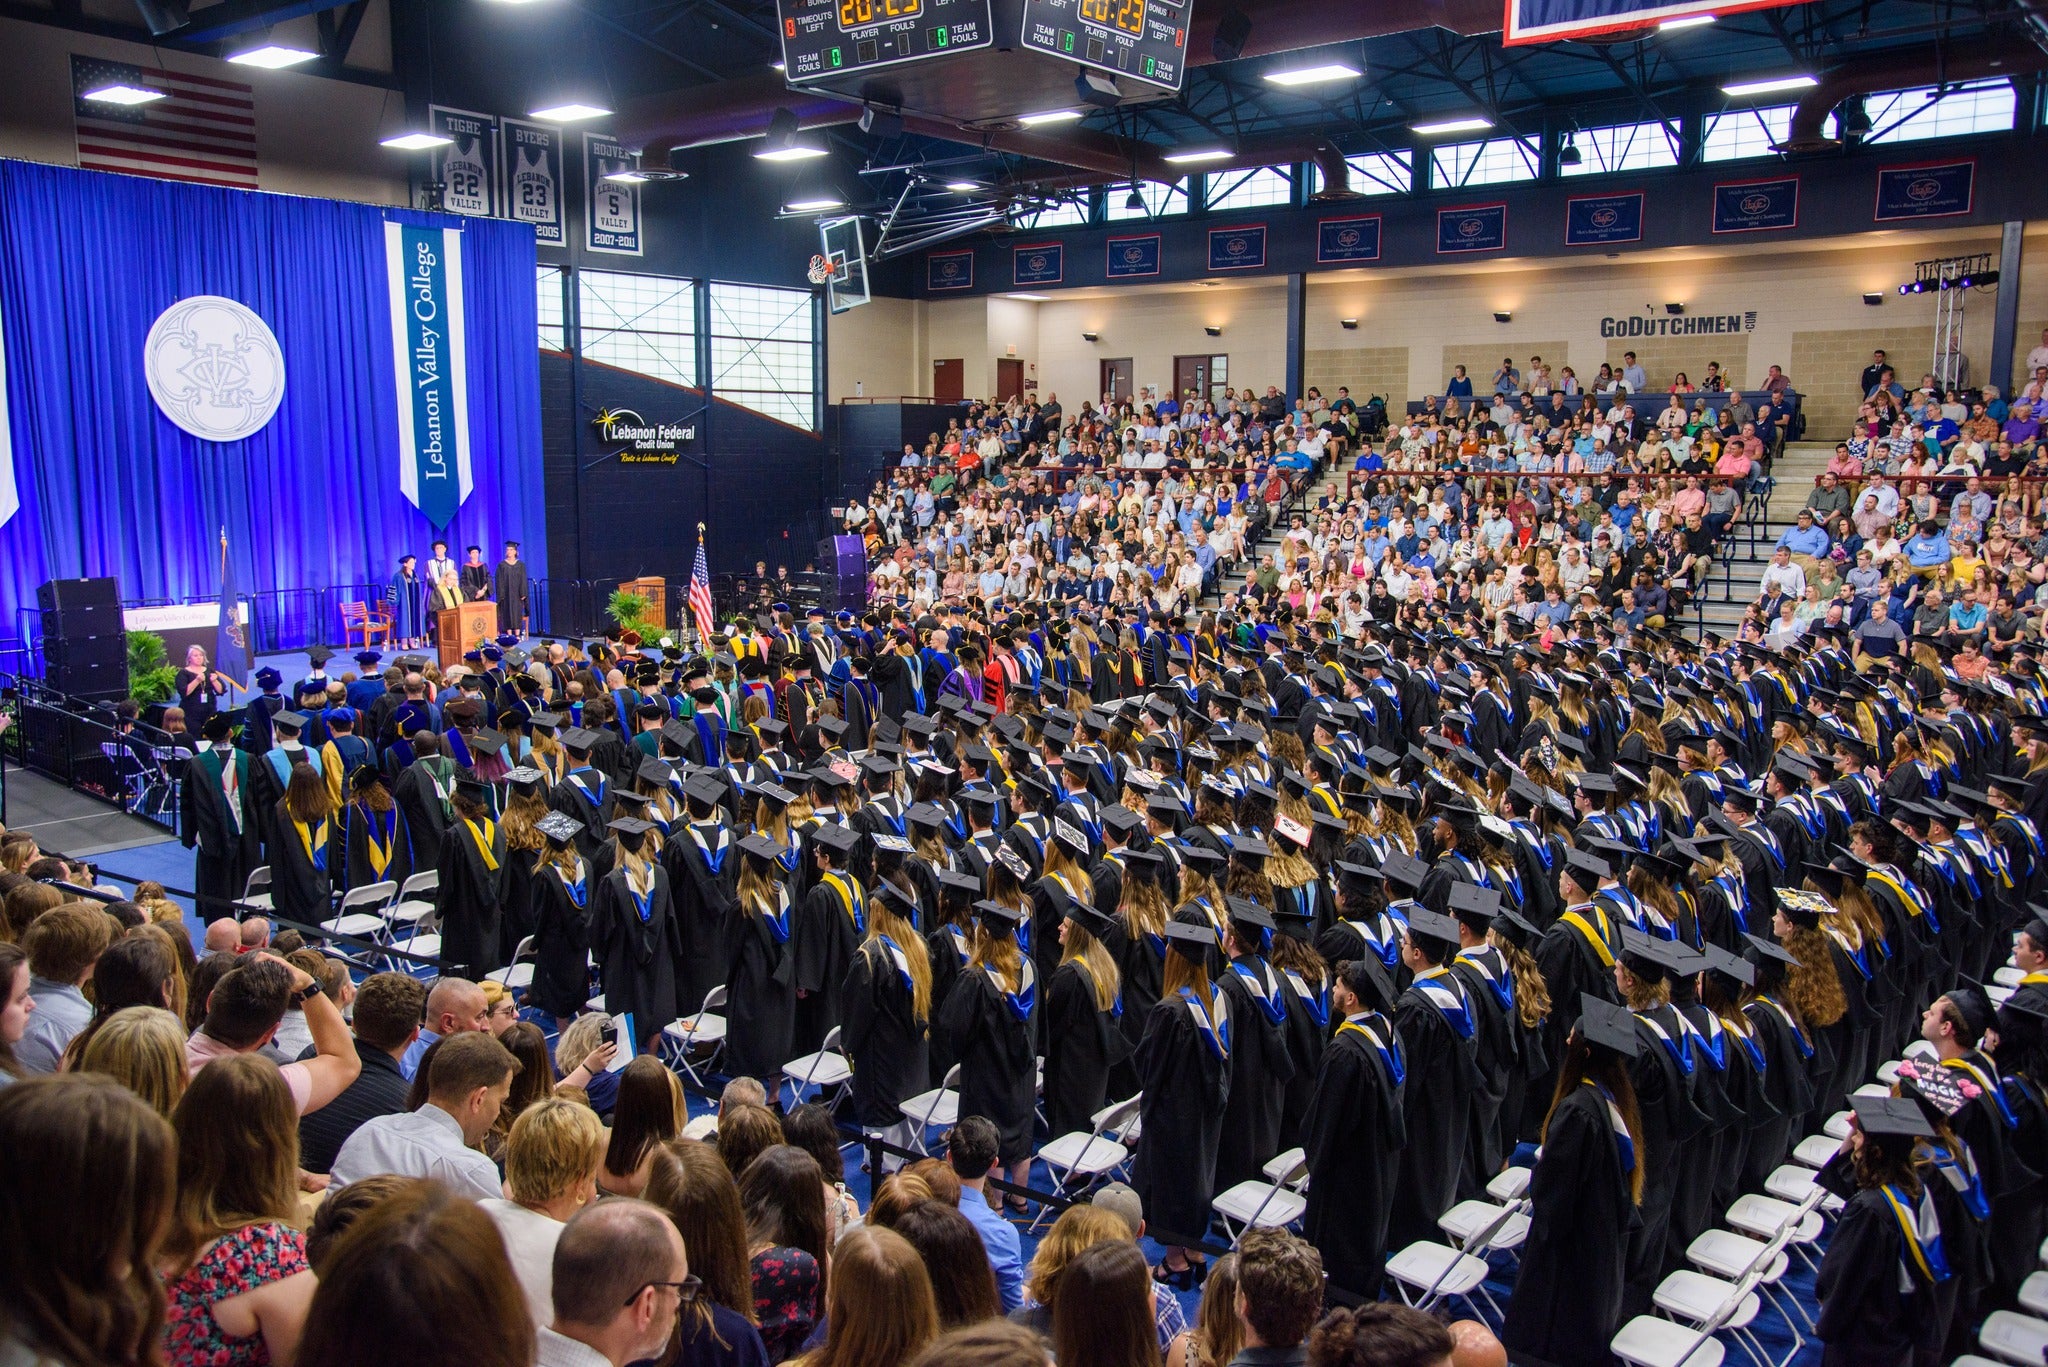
1826, 367
1481, 359
1369, 370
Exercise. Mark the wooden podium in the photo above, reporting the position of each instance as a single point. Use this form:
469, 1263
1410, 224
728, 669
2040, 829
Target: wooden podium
655, 590
459, 629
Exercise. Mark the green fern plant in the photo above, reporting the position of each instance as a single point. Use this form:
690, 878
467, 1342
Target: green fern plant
629, 610
151, 678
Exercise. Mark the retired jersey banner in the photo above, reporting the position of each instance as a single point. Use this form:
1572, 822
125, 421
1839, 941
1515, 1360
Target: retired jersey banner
1547, 21
468, 167
1929, 190
431, 367
611, 218
533, 179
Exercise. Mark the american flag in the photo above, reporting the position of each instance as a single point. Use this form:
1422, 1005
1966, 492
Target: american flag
204, 130
700, 591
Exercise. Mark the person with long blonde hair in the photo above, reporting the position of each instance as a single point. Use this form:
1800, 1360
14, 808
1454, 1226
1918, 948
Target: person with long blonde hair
1817, 987
879, 1307
1083, 1006
991, 1018
1078, 1228
1184, 1076
1218, 1331
886, 1017
143, 1049
303, 859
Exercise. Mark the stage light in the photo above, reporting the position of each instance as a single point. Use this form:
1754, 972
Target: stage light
119, 92
1685, 21
1468, 125
272, 56
1049, 116
416, 142
1769, 86
1196, 157
1314, 75
1348, 324
571, 112
1502, 316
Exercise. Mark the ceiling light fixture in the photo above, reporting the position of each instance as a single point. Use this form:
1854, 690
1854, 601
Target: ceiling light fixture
1314, 75
797, 152
1569, 154
573, 111
962, 187
1204, 154
416, 142
1134, 202
1031, 298
272, 56
1472, 124
1770, 86
813, 206
119, 92
1049, 116
1685, 21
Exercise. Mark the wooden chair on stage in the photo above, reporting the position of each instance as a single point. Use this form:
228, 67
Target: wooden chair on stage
366, 621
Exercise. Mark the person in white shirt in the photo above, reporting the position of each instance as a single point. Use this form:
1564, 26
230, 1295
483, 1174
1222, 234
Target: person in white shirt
551, 1162
468, 1079
621, 1277
2038, 357
1782, 578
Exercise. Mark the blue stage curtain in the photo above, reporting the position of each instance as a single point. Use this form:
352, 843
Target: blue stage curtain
109, 486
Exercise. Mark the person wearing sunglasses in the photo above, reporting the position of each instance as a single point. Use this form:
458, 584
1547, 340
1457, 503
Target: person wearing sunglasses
620, 1280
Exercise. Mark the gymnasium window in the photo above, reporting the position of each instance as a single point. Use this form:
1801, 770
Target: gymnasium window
1483, 163
1161, 201
1253, 189
1926, 112
1073, 214
1750, 132
1622, 147
1375, 173
554, 325
643, 323
764, 351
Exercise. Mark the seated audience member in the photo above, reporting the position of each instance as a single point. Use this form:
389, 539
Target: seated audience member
971, 1150
223, 936
881, 1309
454, 1005
1219, 1330
746, 1132
1104, 1315
1078, 1228
143, 1049
341, 1208
650, 1112
688, 1180
810, 1128
1120, 1200
1280, 1294
242, 1013
621, 1280
740, 1091
236, 1273
1382, 1335
962, 1282
783, 1195
551, 1161
63, 945
993, 1343
468, 1080
422, 1277
387, 1020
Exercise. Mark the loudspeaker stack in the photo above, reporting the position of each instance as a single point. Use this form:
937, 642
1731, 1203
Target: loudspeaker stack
85, 648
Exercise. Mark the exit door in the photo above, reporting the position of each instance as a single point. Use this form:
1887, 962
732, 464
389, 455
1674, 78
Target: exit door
1009, 380
948, 381
1116, 379
1203, 377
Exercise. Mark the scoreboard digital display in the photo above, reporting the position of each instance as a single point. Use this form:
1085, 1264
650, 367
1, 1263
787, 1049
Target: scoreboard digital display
828, 39
1146, 40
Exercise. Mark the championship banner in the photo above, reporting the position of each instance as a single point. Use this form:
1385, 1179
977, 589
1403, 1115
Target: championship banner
1548, 21
1348, 239
533, 179
1129, 256
430, 367
1042, 263
949, 271
1237, 249
468, 167
1595, 220
1936, 189
1474, 228
1756, 206
611, 219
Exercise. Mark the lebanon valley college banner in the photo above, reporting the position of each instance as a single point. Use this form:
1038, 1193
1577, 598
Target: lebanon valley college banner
331, 385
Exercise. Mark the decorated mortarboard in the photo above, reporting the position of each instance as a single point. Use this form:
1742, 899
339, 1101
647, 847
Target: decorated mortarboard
1070, 835
1607, 1025
842, 839
1405, 870
891, 842
1013, 861
826, 776
1435, 925
774, 792
1249, 912
525, 777
763, 847
1474, 905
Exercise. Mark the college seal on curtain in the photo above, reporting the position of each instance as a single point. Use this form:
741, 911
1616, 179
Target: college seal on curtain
214, 368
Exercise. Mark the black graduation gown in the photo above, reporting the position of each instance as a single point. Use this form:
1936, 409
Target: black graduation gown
2012, 1187
703, 877
947, 947
300, 889
1789, 1088
1865, 1321
882, 1037
1260, 1069
225, 844
1496, 1055
998, 1062
760, 1005
1671, 1120
1083, 1042
587, 797
822, 946
1352, 1138
1308, 1033
1186, 1086
471, 902
561, 944
1436, 1106
360, 870
636, 955
1566, 1306
1571, 965
424, 810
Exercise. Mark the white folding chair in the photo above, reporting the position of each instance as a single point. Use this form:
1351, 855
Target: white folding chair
680, 1039
1816, 1150
1428, 1275
362, 912
1696, 1299
1647, 1341
415, 899
1766, 1217
1262, 1205
1888, 1073
936, 1108
1077, 1160
1837, 1126
828, 1070
1281, 1164
2008, 975
517, 976
2034, 1294
1731, 1257
256, 891
424, 939
2013, 1337
1794, 1182
1468, 1218
1509, 1184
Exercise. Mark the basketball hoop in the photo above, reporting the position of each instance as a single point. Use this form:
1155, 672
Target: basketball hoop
820, 270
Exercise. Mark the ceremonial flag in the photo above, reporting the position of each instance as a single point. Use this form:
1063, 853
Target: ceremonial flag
231, 656
202, 130
700, 590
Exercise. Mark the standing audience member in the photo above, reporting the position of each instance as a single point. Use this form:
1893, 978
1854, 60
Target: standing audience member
468, 1080
242, 1013
1104, 1316
551, 1159
971, 1148
881, 1307
783, 1196
86, 1196
421, 1278
143, 1049
63, 945
1280, 1296
688, 1180
387, 1020
235, 1268
621, 1281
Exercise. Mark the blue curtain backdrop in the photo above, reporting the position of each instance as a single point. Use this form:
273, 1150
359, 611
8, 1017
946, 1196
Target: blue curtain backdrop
109, 486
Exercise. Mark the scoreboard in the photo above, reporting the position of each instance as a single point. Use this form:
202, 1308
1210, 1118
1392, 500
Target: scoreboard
1145, 40
830, 39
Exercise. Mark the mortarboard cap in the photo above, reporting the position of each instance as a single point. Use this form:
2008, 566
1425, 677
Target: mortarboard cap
1405, 870
630, 825
1434, 925
836, 838
1474, 905
1878, 1116
1607, 1025
762, 847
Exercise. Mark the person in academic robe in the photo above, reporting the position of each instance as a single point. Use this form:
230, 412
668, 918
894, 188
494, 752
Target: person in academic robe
1490, 992
303, 858
1184, 1073
561, 915
408, 594
511, 587
1305, 979
423, 790
1576, 953
991, 1017
472, 886
1352, 1134
1434, 1017
633, 934
760, 1006
525, 851
272, 773
216, 821
378, 848
585, 793
474, 576
1673, 1123
1084, 1039
1583, 1198
1260, 1064
1877, 1281
1788, 1052
886, 1006
702, 872
1727, 1039
832, 922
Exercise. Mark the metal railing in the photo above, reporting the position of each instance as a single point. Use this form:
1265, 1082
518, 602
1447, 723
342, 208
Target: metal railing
84, 747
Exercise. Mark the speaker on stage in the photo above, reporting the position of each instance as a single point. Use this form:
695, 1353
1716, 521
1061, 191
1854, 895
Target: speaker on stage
85, 645
845, 559
78, 593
